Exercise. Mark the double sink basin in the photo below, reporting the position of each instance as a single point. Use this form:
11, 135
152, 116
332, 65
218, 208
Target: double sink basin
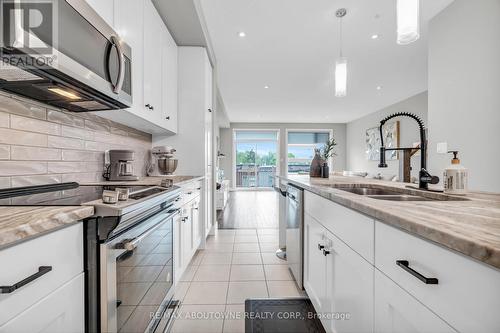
394, 195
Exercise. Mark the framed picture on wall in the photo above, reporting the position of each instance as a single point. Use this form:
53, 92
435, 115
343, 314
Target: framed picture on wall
391, 140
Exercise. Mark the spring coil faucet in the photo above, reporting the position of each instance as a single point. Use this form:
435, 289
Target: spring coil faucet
424, 178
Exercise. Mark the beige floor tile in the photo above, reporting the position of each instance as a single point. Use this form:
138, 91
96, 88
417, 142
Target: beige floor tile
156, 294
219, 247
188, 274
197, 258
240, 291
267, 232
212, 273
268, 238
283, 289
234, 321
221, 238
241, 232
217, 258
225, 232
247, 273
142, 274
132, 293
246, 239
206, 293
246, 259
246, 247
181, 290
272, 259
199, 319
139, 319
269, 247
278, 272
123, 313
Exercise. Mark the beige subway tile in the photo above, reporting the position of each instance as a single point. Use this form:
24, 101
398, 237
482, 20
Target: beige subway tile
62, 142
21, 107
81, 177
119, 131
93, 166
96, 126
110, 138
78, 133
4, 119
4, 182
35, 180
34, 153
66, 167
10, 136
82, 155
14, 168
4, 152
34, 125
64, 118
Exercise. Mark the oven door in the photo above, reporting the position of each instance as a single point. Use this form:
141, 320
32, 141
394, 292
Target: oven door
137, 276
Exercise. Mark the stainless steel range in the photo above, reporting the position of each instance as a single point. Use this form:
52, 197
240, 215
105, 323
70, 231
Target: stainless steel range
128, 252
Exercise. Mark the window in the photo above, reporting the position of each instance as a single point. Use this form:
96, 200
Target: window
256, 158
300, 150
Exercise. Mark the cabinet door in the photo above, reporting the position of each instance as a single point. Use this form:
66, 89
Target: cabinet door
195, 219
104, 8
129, 23
59, 312
349, 287
397, 311
187, 234
153, 30
178, 240
315, 263
169, 81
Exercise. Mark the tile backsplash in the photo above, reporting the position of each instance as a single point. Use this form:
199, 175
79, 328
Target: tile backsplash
41, 145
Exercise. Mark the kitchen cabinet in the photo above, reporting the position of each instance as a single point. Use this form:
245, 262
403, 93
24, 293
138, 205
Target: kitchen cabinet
154, 68
397, 311
54, 300
338, 280
104, 8
194, 139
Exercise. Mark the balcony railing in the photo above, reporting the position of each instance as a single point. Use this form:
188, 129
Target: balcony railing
255, 176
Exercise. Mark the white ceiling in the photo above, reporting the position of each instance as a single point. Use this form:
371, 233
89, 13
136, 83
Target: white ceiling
291, 46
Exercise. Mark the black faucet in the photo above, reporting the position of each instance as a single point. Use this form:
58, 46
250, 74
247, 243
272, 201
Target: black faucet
424, 178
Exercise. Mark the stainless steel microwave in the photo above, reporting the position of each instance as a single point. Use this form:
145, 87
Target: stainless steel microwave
62, 53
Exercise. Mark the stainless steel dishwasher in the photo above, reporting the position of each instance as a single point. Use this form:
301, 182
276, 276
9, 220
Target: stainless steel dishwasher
294, 232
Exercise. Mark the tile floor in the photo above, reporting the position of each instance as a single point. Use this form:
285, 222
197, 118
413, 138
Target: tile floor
236, 265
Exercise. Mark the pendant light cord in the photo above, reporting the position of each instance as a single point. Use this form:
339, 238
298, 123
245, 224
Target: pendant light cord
340, 38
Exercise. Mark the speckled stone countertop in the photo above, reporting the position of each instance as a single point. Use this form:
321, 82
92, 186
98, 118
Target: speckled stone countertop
18, 224
471, 227
154, 180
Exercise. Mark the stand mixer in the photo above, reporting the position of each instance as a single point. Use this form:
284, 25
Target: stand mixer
165, 163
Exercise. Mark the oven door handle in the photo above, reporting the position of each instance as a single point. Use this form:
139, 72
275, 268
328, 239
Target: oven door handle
131, 244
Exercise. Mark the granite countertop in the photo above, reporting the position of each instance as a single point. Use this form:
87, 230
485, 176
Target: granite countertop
21, 223
471, 226
152, 180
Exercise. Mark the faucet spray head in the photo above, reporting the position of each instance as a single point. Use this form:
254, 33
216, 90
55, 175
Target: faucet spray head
382, 163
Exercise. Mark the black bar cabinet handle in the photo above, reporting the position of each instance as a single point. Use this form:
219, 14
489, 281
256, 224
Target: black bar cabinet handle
42, 270
320, 247
326, 252
404, 264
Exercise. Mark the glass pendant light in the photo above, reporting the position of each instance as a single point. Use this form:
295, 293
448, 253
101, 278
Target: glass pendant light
341, 63
408, 20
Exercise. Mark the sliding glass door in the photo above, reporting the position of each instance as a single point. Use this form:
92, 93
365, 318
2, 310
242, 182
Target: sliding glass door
256, 158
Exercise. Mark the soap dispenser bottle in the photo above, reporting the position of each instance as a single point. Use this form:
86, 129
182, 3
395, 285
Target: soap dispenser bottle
455, 176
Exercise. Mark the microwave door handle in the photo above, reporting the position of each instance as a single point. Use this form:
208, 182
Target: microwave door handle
121, 65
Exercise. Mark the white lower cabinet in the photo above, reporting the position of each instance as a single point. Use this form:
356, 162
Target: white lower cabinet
62, 311
338, 281
396, 311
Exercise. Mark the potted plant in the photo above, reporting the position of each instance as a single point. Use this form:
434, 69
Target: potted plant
327, 152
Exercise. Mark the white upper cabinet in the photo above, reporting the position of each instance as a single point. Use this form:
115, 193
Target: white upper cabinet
104, 8
154, 67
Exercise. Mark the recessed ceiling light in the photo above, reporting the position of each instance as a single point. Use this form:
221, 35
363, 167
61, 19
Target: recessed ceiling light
266, 87
375, 36
379, 87
242, 34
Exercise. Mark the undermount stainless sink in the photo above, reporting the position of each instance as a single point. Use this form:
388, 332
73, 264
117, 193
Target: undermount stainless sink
368, 191
401, 197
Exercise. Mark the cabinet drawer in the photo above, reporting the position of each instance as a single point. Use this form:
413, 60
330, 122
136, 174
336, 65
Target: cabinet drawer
467, 293
397, 311
62, 250
355, 229
62, 311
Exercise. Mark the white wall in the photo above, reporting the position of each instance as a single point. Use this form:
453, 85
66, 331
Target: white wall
464, 89
356, 132
226, 135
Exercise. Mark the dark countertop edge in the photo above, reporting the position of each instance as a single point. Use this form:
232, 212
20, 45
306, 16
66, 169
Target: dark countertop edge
406, 226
